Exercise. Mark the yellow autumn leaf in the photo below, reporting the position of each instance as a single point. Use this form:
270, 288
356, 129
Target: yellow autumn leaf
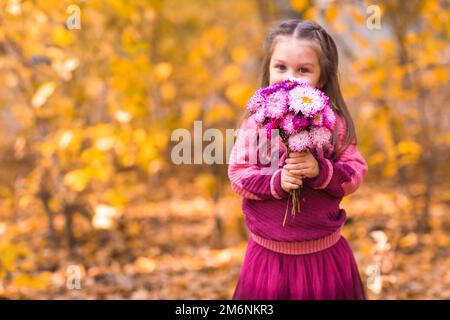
65, 139
299, 5
340, 26
105, 216
155, 166
116, 197
122, 116
230, 73
13, 7
390, 170
144, 265
216, 35
239, 54
190, 111
409, 147
238, 93
435, 77
387, 45
206, 183
39, 282
357, 15
42, 94
76, 179
443, 240
311, 13
127, 159
376, 159
163, 70
331, 12
158, 138
105, 143
167, 91
219, 112
99, 171
147, 153
10, 253
62, 37
25, 201
411, 38
93, 156
409, 241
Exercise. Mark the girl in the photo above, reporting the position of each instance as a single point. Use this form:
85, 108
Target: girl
307, 258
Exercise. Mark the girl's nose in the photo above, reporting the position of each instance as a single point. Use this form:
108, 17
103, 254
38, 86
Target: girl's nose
292, 77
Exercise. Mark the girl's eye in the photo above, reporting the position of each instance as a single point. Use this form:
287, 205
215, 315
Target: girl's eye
280, 66
304, 70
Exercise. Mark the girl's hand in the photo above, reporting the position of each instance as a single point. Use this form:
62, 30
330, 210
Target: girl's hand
302, 164
289, 181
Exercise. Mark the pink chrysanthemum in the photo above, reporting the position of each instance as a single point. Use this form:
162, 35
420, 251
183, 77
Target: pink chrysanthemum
317, 119
257, 101
277, 104
307, 99
273, 124
329, 119
299, 141
320, 137
291, 82
290, 123
303, 123
260, 115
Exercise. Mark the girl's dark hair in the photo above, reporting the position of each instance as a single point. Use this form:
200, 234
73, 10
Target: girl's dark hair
328, 59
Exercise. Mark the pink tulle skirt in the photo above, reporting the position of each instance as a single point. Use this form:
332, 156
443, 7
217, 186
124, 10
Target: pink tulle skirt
330, 274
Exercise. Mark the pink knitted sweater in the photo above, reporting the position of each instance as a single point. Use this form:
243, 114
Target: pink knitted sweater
264, 201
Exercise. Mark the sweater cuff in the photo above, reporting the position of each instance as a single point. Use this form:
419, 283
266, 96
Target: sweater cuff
275, 186
324, 177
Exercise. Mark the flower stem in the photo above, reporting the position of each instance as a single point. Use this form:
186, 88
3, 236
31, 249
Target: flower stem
295, 203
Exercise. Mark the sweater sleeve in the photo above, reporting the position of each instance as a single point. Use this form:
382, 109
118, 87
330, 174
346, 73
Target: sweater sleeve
248, 175
342, 176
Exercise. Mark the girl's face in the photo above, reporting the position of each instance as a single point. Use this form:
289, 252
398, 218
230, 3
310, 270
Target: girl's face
294, 58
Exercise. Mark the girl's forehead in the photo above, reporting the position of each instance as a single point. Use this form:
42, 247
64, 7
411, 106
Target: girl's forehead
295, 50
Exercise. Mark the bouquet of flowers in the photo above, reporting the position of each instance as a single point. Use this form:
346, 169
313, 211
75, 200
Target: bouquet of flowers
301, 113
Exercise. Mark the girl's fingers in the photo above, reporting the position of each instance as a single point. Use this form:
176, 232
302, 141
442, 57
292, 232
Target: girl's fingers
297, 154
295, 160
289, 173
297, 166
292, 186
297, 172
294, 180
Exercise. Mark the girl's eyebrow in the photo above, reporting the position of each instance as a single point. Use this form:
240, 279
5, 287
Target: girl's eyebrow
305, 63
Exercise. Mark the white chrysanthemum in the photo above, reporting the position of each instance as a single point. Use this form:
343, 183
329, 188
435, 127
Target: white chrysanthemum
306, 99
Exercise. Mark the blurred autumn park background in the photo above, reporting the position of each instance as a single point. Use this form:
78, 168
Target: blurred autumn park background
91, 204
